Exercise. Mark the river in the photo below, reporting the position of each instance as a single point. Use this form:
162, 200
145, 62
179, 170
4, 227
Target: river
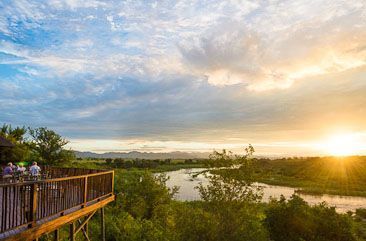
187, 192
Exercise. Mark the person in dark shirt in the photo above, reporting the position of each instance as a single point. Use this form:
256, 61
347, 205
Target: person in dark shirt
8, 170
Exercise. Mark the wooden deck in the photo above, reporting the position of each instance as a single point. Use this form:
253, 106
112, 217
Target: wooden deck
32, 208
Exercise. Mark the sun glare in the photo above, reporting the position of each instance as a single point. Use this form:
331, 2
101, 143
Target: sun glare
342, 145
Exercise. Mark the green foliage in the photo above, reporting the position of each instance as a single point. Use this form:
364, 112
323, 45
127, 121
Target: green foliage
38, 144
50, 146
230, 208
21, 151
141, 211
144, 210
295, 220
360, 224
234, 221
192, 223
143, 192
233, 180
15, 135
316, 175
230, 199
361, 212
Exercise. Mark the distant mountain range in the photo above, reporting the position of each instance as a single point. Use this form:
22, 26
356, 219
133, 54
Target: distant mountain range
143, 155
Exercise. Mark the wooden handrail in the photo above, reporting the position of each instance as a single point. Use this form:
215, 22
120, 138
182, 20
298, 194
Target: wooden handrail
25, 203
55, 179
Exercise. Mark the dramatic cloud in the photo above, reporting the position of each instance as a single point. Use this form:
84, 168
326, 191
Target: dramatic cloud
200, 73
270, 58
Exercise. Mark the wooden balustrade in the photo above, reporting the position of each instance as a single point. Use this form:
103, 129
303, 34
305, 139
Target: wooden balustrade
23, 204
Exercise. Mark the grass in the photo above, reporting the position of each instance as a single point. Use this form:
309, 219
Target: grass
317, 175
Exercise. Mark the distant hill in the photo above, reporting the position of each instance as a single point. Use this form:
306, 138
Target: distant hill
143, 155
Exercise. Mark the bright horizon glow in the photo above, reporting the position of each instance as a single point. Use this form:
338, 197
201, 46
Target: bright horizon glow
346, 144
338, 144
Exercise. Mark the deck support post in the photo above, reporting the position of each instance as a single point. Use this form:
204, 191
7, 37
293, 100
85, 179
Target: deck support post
57, 235
83, 226
87, 228
71, 231
102, 224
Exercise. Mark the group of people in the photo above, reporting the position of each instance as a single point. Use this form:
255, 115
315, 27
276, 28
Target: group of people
11, 169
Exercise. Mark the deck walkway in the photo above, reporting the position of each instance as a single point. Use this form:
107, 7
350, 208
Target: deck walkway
36, 207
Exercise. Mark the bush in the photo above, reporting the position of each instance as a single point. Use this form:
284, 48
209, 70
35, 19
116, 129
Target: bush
361, 212
119, 162
296, 220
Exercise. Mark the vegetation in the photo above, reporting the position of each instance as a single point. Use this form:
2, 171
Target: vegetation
316, 175
312, 175
145, 210
49, 145
230, 209
152, 165
16, 135
40, 144
296, 220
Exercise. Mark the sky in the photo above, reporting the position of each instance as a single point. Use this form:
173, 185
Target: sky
289, 77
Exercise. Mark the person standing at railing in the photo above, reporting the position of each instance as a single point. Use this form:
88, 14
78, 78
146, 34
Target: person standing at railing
35, 170
21, 169
8, 170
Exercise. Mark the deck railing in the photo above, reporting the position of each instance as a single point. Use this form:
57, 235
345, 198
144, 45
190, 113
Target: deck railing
25, 203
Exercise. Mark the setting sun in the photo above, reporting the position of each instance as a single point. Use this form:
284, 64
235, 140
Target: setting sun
342, 145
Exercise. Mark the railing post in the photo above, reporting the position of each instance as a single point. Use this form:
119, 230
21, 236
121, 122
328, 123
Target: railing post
85, 191
112, 182
33, 204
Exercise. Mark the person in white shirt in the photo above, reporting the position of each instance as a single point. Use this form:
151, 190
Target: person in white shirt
34, 169
21, 169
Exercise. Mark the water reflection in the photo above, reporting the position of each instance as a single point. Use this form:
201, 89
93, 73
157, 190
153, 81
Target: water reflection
187, 191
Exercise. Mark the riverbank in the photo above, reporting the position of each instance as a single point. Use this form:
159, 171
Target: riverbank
344, 176
188, 192
315, 176
311, 187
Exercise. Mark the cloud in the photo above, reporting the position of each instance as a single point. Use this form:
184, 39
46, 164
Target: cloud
230, 53
75, 4
183, 71
226, 42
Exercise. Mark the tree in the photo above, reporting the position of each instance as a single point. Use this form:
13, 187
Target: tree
230, 178
119, 162
108, 161
21, 150
143, 192
231, 198
50, 146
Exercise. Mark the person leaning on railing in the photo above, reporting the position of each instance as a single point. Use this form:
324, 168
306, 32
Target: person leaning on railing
8, 170
21, 169
35, 170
